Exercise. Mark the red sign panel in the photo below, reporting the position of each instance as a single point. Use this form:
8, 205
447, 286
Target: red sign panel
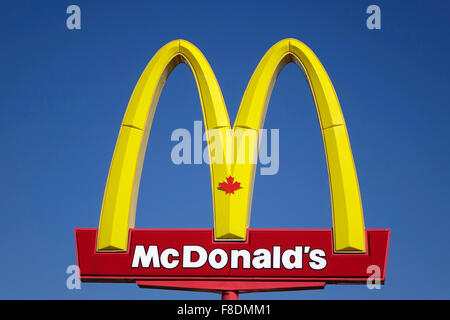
269, 259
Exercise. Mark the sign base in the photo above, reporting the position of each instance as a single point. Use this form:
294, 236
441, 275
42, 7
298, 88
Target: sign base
269, 260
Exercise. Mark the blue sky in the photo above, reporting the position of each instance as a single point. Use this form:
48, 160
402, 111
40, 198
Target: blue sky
63, 94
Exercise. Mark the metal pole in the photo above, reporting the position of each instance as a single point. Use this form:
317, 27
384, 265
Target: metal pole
230, 295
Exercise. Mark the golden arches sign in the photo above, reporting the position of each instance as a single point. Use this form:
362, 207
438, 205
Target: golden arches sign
231, 213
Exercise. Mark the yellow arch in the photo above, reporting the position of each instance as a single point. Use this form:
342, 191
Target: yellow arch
348, 219
231, 212
122, 187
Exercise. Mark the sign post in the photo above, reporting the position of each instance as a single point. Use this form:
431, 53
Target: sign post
230, 295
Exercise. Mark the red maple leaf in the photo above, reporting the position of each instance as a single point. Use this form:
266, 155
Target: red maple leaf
230, 186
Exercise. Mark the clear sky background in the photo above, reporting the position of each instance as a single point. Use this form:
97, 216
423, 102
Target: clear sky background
63, 94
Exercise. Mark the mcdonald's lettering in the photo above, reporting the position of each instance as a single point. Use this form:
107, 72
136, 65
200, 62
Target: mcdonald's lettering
218, 258
230, 256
